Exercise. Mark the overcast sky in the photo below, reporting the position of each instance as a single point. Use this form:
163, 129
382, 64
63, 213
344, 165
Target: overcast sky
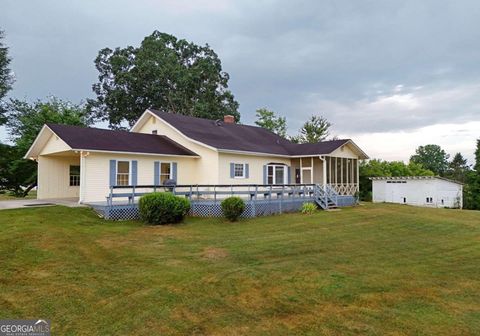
392, 75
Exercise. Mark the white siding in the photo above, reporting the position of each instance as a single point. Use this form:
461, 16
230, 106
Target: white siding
54, 177
255, 164
97, 172
54, 145
416, 192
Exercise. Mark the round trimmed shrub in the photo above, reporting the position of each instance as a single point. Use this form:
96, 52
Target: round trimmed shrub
233, 208
163, 208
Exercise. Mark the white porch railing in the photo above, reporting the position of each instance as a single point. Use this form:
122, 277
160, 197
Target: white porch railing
345, 188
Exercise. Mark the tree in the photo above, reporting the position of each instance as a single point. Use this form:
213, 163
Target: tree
6, 79
167, 73
14, 171
458, 168
432, 157
375, 168
314, 130
472, 188
268, 120
25, 120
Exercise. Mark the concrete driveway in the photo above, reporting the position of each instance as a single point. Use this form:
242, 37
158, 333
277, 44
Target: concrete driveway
32, 203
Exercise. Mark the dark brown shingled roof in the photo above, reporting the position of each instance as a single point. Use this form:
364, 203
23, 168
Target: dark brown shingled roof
239, 137
88, 138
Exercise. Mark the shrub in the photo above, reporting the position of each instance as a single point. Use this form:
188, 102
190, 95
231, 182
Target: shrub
233, 208
309, 208
163, 208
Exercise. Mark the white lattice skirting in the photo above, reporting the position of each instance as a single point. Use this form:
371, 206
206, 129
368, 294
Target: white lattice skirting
253, 208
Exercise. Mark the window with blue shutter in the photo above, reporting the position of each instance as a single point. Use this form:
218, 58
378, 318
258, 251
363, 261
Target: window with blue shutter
174, 172
156, 173
134, 172
113, 172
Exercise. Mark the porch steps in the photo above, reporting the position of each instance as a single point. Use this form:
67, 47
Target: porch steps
325, 197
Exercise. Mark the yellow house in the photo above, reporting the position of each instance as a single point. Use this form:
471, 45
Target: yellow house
85, 163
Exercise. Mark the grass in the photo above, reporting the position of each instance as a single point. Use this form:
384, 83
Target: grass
5, 196
369, 270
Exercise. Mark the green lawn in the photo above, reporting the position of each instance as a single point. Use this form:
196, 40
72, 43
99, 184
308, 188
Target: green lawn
5, 196
369, 270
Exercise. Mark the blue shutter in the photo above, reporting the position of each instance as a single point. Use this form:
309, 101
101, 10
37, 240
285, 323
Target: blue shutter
232, 170
265, 174
174, 172
134, 172
113, 172
156, 173
246, 170
289, 175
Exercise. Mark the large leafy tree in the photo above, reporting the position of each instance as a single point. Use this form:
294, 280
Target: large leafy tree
269, 120
375, 167
432, 157
314, 130
167, 73
25, 120
6, 79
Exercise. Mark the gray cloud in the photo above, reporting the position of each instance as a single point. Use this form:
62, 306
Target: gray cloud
342, 59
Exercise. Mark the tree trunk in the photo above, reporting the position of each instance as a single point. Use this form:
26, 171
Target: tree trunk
30, 187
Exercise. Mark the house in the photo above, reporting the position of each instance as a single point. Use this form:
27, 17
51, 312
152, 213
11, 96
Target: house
429, 191
84, 163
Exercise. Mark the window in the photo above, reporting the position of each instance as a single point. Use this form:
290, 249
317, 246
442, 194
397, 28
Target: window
165, 171
74, 176
239, 170
155, 132
404, 200
279, 174
123, 173
276, 174
429, 199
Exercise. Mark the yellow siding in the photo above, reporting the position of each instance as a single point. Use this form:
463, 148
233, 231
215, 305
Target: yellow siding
54, 145
205, 169
255, 163
96, 171
345, 152
54, 177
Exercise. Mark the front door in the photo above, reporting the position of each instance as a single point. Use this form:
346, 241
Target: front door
297, 176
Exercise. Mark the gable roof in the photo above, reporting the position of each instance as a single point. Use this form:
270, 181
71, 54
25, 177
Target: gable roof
97, 139
245, 138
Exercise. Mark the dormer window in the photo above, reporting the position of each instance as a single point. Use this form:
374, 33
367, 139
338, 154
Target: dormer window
155, 132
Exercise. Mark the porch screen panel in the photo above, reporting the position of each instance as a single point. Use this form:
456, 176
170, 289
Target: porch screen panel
327, 167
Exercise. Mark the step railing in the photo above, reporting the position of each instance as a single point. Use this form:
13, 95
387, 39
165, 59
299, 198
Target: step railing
325, 196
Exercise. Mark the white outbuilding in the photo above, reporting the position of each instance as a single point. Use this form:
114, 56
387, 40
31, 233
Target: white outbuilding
428, 191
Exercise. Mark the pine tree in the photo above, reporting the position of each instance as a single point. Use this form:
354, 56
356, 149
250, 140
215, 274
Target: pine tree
474, 185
